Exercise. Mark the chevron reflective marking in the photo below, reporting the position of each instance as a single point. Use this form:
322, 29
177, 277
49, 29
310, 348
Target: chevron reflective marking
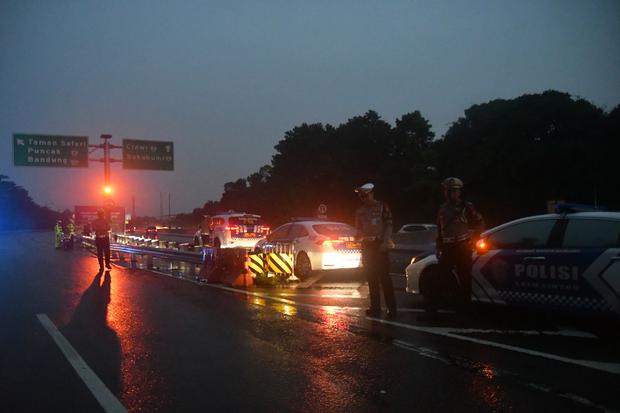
256, 264
597, 273
612, 276
280, 263
485, 285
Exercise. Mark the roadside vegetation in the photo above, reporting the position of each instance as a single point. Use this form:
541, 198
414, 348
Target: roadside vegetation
18, 211
513, 154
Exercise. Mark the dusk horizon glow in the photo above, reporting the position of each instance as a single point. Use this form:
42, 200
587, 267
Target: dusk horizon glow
224, 81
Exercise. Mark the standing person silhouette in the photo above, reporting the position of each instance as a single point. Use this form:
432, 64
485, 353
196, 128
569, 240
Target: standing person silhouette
373, 221
101, 227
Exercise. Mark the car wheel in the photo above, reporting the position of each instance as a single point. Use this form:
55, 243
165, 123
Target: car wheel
303, 267
430, 287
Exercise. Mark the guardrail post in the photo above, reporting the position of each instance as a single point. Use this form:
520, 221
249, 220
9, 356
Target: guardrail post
149, 262
134, 261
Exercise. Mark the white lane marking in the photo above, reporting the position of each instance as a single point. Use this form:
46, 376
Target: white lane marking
422, 351
562, 333
613, 368
104, 396
475, 367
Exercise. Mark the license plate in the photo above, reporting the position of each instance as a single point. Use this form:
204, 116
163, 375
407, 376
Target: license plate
249, 235
350, 245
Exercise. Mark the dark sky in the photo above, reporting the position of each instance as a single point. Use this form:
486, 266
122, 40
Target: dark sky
225, 80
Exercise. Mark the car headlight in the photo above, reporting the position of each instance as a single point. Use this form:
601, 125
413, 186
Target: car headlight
413, 259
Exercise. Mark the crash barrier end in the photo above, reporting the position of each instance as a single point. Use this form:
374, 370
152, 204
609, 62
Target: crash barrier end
238, 275
226, 265
272, 266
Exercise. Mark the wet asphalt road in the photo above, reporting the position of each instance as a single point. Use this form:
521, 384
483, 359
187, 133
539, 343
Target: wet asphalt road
165, 344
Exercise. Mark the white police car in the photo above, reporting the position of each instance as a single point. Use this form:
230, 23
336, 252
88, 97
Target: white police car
318, 245
561, 261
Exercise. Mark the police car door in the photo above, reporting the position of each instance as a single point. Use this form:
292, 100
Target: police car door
514, 268
589, 265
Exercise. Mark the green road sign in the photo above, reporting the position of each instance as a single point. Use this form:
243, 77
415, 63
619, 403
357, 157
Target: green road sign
50, 150
139, 154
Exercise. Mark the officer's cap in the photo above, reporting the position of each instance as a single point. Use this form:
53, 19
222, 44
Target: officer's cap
452, 183
365, 189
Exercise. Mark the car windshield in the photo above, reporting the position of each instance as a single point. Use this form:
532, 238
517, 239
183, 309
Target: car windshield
335, 230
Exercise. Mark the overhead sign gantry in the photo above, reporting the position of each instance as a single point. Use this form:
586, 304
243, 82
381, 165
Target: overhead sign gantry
73, 152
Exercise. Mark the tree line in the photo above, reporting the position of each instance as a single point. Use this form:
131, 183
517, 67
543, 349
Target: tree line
18, 211
514, 155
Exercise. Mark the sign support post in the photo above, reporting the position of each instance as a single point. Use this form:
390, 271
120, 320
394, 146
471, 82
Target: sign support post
106, 160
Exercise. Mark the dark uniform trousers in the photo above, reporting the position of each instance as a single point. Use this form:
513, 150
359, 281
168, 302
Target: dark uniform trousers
377, 270
458, 255
103, 247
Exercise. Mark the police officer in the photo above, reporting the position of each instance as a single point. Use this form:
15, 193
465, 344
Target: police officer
101, 227
71, 232
373, 221
457, 221
58, 234
198, 237
71, 228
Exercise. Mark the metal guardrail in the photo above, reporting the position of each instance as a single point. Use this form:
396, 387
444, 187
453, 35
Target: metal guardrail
171, 251
164, 250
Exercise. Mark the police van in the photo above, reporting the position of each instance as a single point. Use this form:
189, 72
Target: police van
560, 261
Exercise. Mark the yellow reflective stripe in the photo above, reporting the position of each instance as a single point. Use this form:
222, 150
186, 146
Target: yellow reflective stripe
257, 259
284, 264
278, 264
257, 269
275, 263
288, 258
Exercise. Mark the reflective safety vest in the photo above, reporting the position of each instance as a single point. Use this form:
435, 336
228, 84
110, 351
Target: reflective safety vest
456, 222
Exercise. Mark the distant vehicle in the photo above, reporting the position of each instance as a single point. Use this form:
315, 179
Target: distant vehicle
560, 261
150, 232
233, 230
417, 227
317, 245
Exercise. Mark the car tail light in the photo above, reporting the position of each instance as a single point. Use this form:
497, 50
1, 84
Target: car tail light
331, 242
266, 229
482, 246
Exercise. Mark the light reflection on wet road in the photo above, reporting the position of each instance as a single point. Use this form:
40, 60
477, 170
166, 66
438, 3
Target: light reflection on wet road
165, 345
